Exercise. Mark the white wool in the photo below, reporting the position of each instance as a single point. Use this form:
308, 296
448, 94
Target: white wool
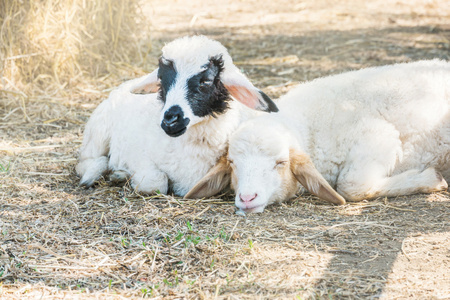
126, 127
124, 134
382, 131
254, 152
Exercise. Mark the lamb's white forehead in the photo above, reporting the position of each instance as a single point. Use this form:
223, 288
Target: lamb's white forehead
193, 52
260, 139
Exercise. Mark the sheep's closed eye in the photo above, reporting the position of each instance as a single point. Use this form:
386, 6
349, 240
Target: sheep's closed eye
280, 163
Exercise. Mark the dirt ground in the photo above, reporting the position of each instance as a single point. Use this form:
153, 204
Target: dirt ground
61, 241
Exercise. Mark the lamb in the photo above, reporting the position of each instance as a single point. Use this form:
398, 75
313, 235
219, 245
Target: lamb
172, 125
376, 132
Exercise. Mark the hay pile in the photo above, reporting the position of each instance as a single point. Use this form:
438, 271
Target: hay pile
48, 46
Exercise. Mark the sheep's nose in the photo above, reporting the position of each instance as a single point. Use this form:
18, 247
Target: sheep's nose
170, 120
172, 116
247, 198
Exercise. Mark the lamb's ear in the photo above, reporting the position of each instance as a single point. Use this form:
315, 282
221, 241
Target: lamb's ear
306, 173
214, 181
241, 89
150, 84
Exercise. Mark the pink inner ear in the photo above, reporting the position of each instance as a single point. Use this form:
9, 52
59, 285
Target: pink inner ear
150, 84
244, 95
146, 88
151, 87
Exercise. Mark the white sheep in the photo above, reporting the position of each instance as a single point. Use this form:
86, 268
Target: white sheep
173, 137
376, 132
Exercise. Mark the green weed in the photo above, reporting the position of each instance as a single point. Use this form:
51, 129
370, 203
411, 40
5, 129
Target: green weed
5, 169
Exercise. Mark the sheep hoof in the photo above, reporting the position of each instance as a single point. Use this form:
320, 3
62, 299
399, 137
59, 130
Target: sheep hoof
443, 185
119, 176
240, 213
87, 183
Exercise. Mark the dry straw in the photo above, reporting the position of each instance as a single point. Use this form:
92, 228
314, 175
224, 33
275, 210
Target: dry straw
49, 45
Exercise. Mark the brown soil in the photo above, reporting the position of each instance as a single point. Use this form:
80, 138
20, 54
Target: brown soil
58, 240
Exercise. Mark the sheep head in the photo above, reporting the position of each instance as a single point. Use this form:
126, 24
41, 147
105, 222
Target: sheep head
195, 79
264, 166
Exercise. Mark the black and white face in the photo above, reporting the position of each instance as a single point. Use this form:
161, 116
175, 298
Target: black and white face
196, 79
190, 96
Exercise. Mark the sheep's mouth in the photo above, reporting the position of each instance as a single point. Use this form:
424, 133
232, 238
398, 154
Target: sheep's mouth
176, 129
176, 133
253, 209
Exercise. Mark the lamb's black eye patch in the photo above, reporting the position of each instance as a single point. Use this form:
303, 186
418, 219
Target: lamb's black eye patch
167, 75
206, 93
198, 80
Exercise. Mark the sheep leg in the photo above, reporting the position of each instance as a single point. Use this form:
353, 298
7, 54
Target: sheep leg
374, 158
91, 170
406, 183
119, 176
150, 180
93, 161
